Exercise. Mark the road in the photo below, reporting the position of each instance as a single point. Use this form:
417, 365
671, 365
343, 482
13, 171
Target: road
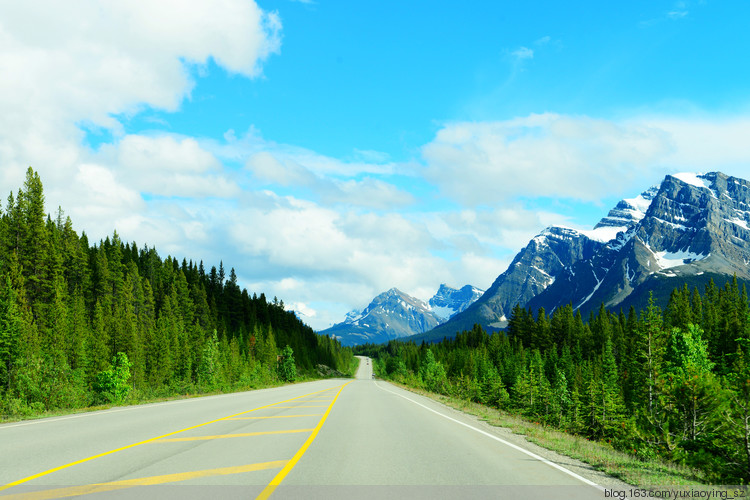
333, 438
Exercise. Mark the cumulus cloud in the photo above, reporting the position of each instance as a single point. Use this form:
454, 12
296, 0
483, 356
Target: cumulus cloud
66, 65
540, 155
168, 166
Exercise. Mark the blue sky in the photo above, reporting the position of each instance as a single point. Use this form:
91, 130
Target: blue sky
331, 150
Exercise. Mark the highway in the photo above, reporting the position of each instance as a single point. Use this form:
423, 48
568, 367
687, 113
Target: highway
333, 438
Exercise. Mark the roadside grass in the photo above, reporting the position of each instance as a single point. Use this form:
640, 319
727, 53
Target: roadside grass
624, 466
160, 395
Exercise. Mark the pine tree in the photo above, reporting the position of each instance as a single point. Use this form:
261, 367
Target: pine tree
651, 351
692, 388
10, 332
611, 398
738, 416
287, 370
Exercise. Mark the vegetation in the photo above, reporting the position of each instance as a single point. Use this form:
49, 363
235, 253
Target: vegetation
671, 384
83, 325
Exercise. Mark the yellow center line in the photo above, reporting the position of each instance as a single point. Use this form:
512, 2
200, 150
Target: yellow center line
276, 481
93, 457
88, 489
226, 436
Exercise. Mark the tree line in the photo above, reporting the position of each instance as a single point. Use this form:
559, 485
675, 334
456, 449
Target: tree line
672, 383
80, 322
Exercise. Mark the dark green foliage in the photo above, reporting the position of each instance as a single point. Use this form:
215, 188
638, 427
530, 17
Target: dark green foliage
286, 368
67, 308
672, 383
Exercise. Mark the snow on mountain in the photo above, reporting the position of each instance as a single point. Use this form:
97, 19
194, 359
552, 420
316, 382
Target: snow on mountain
448, 301
691, 227
394, 314
695, 228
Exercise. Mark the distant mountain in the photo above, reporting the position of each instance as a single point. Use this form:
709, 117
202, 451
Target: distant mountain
394, 314
537, 266
687, 230
448, 302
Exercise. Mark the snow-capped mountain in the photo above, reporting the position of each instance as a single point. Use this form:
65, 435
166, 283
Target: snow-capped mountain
690, 228
448, 302
695, 228
394, 314
537, 266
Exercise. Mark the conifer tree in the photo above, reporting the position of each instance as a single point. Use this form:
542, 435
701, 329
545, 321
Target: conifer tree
10, 332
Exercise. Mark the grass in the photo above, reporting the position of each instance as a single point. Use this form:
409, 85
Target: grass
601, 456
159, 395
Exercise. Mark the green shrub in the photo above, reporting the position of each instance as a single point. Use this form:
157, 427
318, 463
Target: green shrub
112, 385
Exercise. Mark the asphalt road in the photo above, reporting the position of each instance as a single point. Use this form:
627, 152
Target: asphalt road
335, 438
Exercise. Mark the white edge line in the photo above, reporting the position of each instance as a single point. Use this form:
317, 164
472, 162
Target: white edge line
522, 450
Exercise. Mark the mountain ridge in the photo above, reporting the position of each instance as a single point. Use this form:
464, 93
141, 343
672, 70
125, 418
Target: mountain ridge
395, 314
688, 224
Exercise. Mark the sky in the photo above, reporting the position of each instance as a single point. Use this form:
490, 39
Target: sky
331, 150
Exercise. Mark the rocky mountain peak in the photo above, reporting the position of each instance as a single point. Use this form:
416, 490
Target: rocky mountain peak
448, 301
394, 314
629, 212
691, 225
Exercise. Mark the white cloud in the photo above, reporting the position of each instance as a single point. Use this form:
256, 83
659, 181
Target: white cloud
266, 167
168, 166
65, 64
165, 154
541, 155
705, 143
294, 167
108, 58
523, 53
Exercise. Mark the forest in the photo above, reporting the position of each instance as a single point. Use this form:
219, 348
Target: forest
671, 383
83, 324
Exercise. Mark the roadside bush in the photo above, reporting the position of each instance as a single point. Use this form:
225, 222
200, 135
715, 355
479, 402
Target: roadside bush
286, 368
112, 385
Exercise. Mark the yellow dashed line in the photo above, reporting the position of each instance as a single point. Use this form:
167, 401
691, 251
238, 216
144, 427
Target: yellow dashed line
303, 406
144, 481
227, 436
83, 460
276, 416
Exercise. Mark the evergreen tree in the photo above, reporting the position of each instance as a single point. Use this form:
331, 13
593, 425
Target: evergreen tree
287, 370
10, 332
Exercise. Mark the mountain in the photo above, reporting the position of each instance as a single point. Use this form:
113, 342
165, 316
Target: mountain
538, 265
448, 302
689, 229
394, 314
695, 228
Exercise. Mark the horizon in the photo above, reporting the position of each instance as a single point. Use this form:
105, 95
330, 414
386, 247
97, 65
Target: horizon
329, 151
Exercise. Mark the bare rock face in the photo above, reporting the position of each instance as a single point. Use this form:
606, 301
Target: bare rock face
550, 256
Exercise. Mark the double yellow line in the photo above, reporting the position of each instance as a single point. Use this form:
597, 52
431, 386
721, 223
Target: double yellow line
288, 465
